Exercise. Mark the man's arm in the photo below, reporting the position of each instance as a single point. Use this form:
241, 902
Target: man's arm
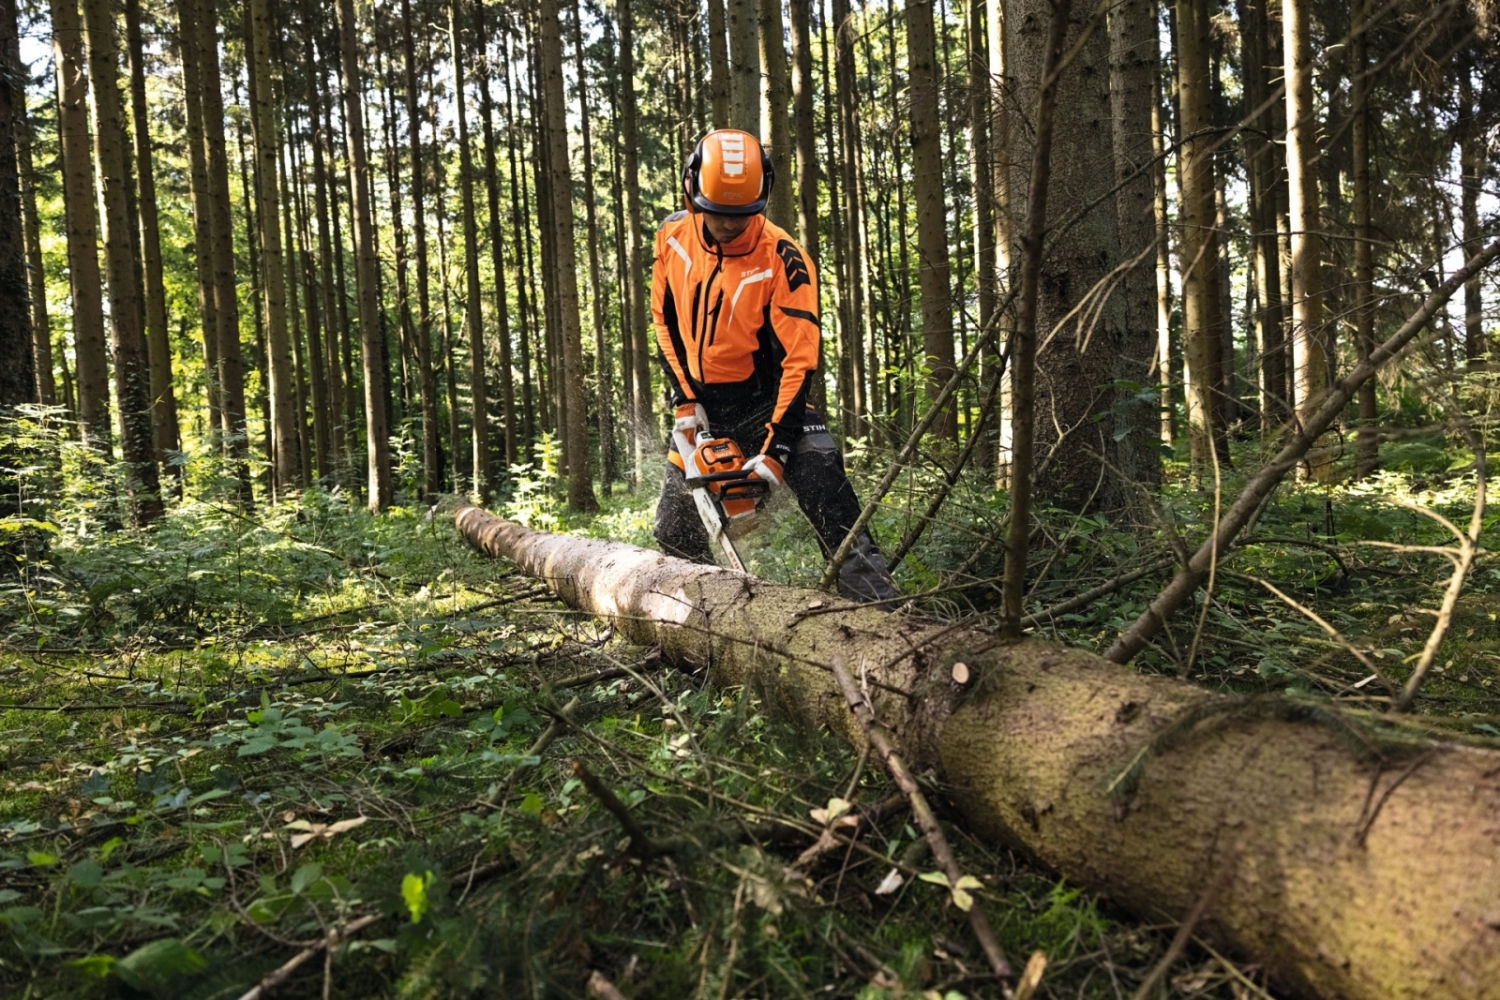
671, 350
794, 321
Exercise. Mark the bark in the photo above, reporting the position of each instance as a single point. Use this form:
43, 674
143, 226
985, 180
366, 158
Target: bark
31, 233
774, 123
1201, 349
432, 482
932, 220
1135, 63
839, 281
806, 139
18, 380
330, 294
317, 364
377, 443
718, 64
226, 292
473, 297
605, 382
497, 245
187, 47
278, 360
1471, 157
127, 341
1368, 451
982, 177
82, 227
1263, 169
1334, 896
1309, 360
744, 66
580, 485
523, 282
1166, 367
639, 383
1085, 342
856, 406
158, 348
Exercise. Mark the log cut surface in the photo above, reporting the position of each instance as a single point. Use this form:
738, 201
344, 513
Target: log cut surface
1350, 865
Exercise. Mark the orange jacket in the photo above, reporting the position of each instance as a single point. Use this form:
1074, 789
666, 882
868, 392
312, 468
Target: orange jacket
737, 326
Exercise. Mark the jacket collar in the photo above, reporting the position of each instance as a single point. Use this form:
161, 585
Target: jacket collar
737, 247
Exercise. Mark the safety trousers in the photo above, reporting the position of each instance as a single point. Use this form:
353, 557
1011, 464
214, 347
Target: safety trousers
817, 477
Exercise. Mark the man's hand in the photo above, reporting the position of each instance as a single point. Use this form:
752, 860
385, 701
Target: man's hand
691, 418
767, 468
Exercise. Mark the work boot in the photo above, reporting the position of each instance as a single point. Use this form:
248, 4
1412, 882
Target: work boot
864, 576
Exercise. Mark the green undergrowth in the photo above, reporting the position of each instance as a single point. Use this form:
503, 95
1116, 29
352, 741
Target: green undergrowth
228, 737
223, 739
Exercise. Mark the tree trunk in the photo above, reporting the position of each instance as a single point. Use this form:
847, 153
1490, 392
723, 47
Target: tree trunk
317, 363
1135, 65
622, 268
226, 293
1310, 362
932, 219
128, 342
982, 178
774, 121
273, 268
365, 262
604, 378
18, 380
1167, 369
1471, 158
329, 297
718, 64
1262, 169
744, 66
856, 405
1200, 243
37, 325
83, 228
645, 431
806, 139
1333, 888
432, 482
580, 485
192, 83
1368, 450
474, 298
523, 254
158, 349
497, 244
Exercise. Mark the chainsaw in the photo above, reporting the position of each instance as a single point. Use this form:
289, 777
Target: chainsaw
724, 493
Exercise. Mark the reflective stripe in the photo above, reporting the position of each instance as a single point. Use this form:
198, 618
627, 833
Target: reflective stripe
749, 279
687, 262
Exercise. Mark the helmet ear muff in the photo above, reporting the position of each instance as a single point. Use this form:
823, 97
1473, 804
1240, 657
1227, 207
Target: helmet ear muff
690, 174
767, 170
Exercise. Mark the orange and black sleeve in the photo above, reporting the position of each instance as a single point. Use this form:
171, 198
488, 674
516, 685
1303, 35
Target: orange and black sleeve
794, 322
671, 349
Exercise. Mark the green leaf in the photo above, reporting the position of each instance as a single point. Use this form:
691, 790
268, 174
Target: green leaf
41, 858
306, 876
93, 966
86, 874
153, 966
532, 804
936, 878
968, 882
962, 900
414, 893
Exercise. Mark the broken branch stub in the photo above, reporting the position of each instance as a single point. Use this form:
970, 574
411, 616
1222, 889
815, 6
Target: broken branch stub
1029, 747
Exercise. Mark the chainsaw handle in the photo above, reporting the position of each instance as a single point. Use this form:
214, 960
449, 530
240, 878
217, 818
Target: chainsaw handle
720, 477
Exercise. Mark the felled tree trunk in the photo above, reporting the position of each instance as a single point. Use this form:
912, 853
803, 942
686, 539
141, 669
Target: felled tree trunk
1347, 866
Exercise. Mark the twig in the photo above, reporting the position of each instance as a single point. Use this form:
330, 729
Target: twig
1180, 939
1333, 633
641, 844
334, 937
879, 738
1188, 579
1094, 593
538, 748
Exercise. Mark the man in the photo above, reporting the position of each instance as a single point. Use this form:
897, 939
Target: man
735, 304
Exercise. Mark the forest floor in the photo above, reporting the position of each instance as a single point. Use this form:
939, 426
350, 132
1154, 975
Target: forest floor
223, 741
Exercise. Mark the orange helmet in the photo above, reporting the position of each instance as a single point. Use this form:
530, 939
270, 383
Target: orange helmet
729, 173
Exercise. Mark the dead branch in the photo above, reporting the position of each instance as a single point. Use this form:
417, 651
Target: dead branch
333, 939
1191, 576
879, 738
